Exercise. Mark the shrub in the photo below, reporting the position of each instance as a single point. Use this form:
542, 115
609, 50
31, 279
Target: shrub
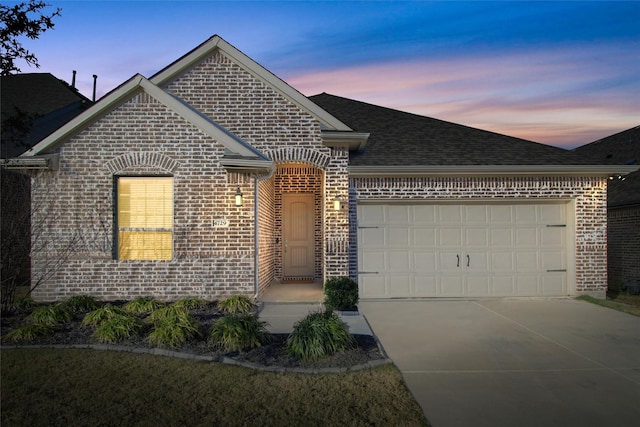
173, 329
29, 332
167, 311
117, 328
341, 293
80, 304
237, 304
142, 305
51, 315
96, 317
238, 332
319, 334
189, 303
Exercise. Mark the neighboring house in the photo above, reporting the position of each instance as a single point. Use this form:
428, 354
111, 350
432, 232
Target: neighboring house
214, 177
31, 106
623, 207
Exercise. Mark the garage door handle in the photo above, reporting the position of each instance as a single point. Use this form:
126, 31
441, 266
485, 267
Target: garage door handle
468, 260
561, 270
368, 272
458, 263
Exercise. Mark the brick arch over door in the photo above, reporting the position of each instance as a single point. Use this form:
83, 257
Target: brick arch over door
299, 155
293, 178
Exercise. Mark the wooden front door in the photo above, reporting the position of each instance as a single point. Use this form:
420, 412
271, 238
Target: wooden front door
298, 236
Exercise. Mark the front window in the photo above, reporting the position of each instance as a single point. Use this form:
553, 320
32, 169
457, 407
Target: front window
145, 218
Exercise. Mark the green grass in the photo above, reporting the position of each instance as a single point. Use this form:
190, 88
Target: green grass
619, 306
80, 304
190, 303
118, 328
96, 317
46, 387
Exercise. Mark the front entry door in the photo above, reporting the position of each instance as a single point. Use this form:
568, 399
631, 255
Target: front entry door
298, 236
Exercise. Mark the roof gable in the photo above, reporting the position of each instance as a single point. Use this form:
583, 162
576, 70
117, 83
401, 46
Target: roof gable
217, 43
236, 148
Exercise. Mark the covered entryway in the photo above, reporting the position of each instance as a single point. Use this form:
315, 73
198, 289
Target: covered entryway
463, 250
298, 222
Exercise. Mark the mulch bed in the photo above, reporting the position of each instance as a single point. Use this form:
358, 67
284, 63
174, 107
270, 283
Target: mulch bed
271, 355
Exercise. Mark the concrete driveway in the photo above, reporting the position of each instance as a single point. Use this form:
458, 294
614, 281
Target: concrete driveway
514, 362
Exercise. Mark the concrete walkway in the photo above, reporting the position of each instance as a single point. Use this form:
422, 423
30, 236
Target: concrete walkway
514, 362
282, 316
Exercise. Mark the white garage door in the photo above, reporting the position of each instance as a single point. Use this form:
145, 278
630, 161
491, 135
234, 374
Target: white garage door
462, 250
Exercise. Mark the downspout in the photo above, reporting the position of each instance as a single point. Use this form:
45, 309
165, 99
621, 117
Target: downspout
256, 234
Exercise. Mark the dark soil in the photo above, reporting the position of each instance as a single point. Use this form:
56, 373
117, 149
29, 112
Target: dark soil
271, 354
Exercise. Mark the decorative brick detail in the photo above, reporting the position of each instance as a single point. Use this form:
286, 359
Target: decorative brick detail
299, 155
589, 194
129, 160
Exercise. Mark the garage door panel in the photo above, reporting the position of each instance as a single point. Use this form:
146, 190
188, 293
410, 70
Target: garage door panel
424, 237
425, 285
451, 286
462, 250
501, 237
371, 214
372, 286
425, 215
551, 214
398, 261
476, 238
450, 237
372, 237
500, 214
450, 214
372, 261
397, 236
552, 237
425, 262
478, 286
527, 236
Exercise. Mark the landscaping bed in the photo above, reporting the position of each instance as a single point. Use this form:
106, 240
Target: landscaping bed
271, 354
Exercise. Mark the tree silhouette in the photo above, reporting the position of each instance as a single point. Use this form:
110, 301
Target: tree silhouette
26, 19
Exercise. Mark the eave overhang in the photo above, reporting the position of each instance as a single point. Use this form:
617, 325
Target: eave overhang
491, 170
354, 141
245, 165
45, 162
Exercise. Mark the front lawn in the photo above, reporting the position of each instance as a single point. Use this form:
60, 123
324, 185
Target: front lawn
55, 387
629, 304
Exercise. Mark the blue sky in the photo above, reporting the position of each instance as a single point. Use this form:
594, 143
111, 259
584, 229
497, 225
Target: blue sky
560, 73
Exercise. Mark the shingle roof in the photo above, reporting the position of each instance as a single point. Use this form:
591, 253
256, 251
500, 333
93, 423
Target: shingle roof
48, 103
404, 139
621, 148
37, 93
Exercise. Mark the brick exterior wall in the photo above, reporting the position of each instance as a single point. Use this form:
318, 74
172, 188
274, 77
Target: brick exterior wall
590, 211
73, 235
624, 246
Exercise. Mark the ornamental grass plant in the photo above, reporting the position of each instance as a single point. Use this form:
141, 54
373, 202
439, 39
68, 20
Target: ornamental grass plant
237, 304
317, 335
239, 332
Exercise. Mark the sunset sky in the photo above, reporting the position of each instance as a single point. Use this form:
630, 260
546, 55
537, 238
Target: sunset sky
560, 73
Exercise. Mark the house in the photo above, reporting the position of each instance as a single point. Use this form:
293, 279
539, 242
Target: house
623, 207
32, 106
214, 177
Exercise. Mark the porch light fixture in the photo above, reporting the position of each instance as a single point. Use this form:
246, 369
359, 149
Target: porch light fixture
336, 204
238, 197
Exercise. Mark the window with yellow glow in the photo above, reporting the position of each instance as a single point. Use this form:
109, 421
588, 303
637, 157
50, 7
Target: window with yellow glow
145, 218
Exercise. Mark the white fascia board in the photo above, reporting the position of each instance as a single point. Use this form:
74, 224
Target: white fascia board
355, 141
103, 106
326, 120
490, 170
208, 126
